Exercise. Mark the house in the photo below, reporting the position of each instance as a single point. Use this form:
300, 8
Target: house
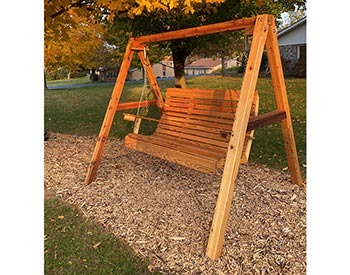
292, 45
163, 69
209, 65
199, 67
107, 74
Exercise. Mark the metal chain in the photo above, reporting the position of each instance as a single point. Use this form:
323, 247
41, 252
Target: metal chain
145, 85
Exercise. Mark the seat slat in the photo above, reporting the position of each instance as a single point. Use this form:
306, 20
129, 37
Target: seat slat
193, 161
205, 146
192, 137
211, 138
182, 147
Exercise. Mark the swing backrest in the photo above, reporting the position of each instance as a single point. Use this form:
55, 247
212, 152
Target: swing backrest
201, 116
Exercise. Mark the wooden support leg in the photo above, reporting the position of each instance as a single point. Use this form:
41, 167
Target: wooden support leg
223, 205
109, 116
279, 86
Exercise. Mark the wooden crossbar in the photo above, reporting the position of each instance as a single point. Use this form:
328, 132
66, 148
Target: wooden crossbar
265, 119
134, 105
232, 25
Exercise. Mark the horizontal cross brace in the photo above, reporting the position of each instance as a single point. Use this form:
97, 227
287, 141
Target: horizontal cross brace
265, 119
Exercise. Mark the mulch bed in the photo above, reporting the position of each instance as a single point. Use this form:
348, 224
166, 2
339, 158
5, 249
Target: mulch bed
164, 211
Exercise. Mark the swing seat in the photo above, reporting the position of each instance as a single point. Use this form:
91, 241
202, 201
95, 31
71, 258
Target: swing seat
195, 128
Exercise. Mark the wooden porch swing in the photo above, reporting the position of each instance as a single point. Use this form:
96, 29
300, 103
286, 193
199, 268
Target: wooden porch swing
207, 129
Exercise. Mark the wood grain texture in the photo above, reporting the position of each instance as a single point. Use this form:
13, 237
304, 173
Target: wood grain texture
281, 97
109, 116
236, 144
197, 132
232, 25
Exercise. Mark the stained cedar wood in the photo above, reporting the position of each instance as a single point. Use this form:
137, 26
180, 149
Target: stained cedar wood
134, 105
138, 45
265, 119
109, 115
261, 26
280, 91
232, 25
196, 130
237, 139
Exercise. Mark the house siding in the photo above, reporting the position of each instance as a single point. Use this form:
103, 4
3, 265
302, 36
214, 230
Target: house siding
292, 44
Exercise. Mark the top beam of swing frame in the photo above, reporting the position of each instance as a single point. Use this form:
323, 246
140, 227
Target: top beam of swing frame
232, 25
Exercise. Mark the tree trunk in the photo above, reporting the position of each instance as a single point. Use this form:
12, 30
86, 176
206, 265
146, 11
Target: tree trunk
45, 83
180, 54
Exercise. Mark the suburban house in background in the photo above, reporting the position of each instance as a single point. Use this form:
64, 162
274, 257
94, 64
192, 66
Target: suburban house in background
209, 65
163, 69
107, 74
199, 67
292, 44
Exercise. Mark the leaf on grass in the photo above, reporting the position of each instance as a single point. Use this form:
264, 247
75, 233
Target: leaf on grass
96, 245
177, 238
60, 217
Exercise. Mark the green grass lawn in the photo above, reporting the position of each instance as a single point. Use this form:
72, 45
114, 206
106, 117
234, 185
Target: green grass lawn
74, 245
69, 242
72, 81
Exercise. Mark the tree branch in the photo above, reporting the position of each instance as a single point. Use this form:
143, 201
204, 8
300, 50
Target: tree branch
78, 4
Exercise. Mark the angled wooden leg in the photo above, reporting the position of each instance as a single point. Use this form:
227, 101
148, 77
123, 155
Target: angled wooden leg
223, 205
279, 86
109, 116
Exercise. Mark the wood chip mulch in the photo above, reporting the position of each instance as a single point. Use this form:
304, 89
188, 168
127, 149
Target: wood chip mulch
164, 211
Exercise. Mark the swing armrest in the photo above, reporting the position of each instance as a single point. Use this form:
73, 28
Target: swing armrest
137, 119
132, 117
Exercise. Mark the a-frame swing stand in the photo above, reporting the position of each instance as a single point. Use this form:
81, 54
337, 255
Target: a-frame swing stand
263, 30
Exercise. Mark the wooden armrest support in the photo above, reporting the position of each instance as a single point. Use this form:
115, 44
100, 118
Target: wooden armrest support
260, 121
265, 119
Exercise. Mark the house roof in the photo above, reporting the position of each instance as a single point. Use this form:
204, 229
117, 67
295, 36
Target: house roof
205, 63
292, 27
295, 34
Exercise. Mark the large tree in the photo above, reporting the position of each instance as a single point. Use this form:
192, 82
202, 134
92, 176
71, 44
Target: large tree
142, 17
82, 48
153, 16
73, 36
